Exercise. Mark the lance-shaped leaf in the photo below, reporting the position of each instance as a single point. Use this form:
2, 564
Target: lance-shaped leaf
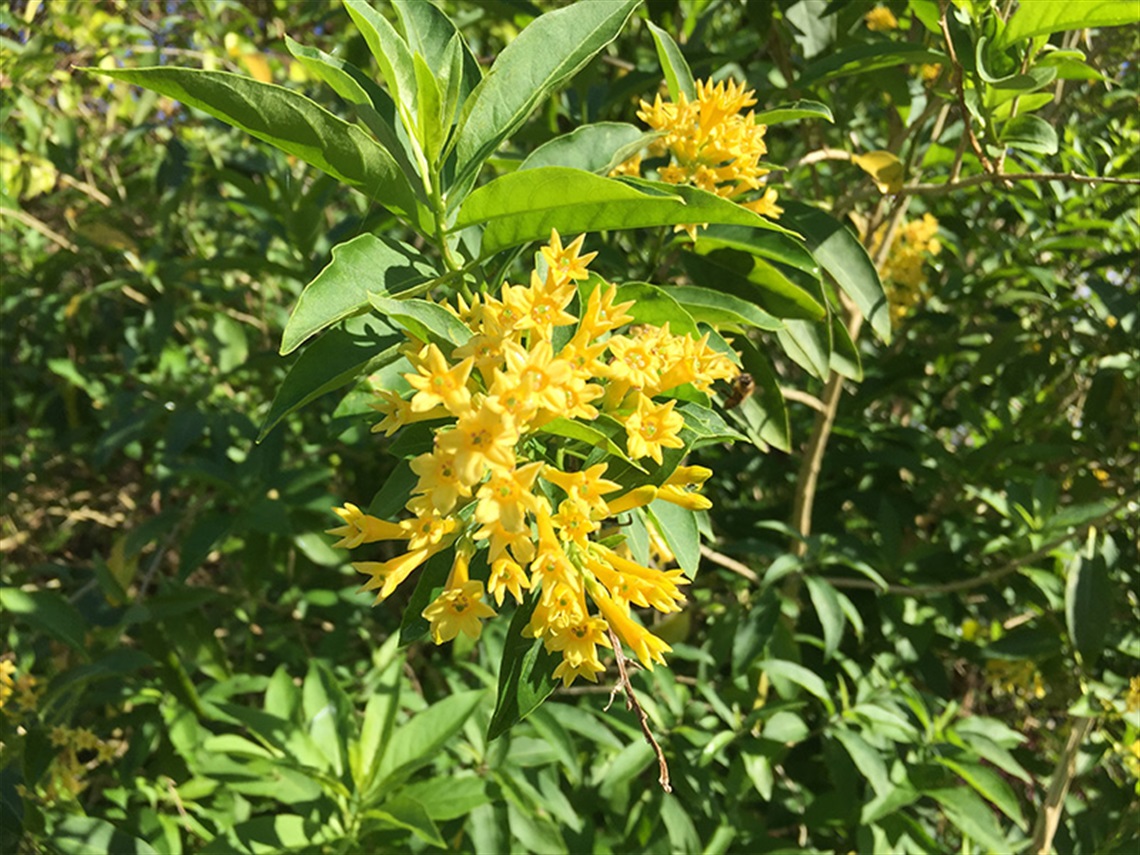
525, 675
681, 532
808, 345
334, 360
431, 33
763, 413
657, 307
750, 278
1052, 16
365, 263
721, 310
390, 52
551, 50
678, 75
525, 206
596, 148
425, 320
841, 254
289, 121
781, 248
866, 57
794, 111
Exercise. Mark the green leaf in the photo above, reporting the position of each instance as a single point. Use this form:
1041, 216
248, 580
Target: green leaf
328, 715
793, 112
831, 617
1030, 133
390, 52
403, 812
678, 76
597, 148
845, 357
417, 742
289, 121
863, 58
432, 34
525, 674
595, 434
720, 310
781, 248
990, 785
424, 320
679, 528
1051, 16
656, 306
367, 263
47, 611
429, 109
764, 412
865, 757
800, 675
449, 797
433, 576
334, 360
742, 274
282, 832
81, 835
524, 206
379, 721
807, 345
1087, 590
841, 254
972, 816
548, 52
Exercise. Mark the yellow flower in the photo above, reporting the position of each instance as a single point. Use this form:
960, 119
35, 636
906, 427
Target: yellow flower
585, 485
387, 575
647, 587
507, 496
578, 642
458, 610
565, 262
541, 376
519, 542
439, 480
507, 575
428, 529
398, 412
361, 528
652, 427
648, 647
559, 606
602, 315
484, 436
1132, 703
542, 306
634, 363
684, 498
573, 522
7, 684
637, 498
880, 19
438, 383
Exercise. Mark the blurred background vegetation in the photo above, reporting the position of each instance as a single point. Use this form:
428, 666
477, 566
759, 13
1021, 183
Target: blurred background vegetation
186, 663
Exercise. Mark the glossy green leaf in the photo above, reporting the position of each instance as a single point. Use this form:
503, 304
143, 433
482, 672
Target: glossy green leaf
524, 206
742, 274
863, 58
81, 835
406, 813
429, 109
844, 359
389, 50
1087, 590
866, 758
831, 617
432, 34
429, 585
425, 320
807, 344
990, 785
1030, 133
281, 832
656, 306
1052, 16
799, 675
416, 743
678, 76
597, 148
972, 816
547, 53
337, 358
367, 263
289, 121
525, 675
764, 412
599, 434
449, 797
782, 248
679, 528
841, 254
720, 310
794, 112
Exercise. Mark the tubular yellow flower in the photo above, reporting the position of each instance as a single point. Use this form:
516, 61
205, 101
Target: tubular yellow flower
660, 587
519, 542
578, 642
438, 383
880, 19
602, 315
387, 575
565, 262
585, 485
638, 498
541, 376
398, 412
507, 496
651, 427
573, 522
484, 436
458, 610
542, 306
439, 480
684, 498
648, 647
684, 476
507, 576
361, 528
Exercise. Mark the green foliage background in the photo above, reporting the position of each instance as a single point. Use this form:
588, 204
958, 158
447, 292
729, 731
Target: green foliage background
951, 642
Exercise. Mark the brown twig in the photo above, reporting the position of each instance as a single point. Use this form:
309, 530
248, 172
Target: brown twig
730, 564
632, 704
959, 85
988, 177
1066, 770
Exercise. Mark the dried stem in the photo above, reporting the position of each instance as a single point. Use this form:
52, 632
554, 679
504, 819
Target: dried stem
1050, 815
632, 704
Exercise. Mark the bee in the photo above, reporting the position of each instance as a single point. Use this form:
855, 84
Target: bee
743, 386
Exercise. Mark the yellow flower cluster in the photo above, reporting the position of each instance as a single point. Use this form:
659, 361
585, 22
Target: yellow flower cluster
486, 485
68, 770
24, 688
880, 19
712, 145
902, 272
1017, 678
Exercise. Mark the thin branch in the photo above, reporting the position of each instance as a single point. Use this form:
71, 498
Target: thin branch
802, 398
985, 578
632, 704
730, 564
41, 227
989, 177
1050, 815
959, 85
